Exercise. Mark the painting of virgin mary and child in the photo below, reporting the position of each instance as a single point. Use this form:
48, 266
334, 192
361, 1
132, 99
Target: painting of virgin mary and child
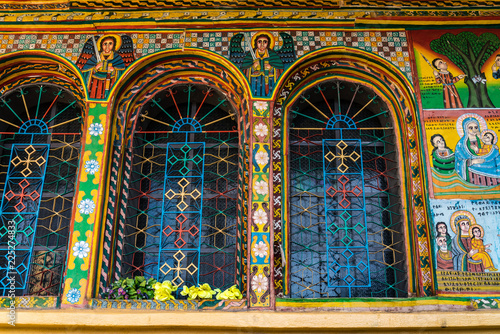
476, 158
465, 251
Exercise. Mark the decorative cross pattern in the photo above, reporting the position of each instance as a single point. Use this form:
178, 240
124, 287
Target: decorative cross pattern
342, 167
344, 203
183, 183
30, 151
10, 195
185, 159
178, 269
347, 262
23, 230
347, 246
347, 229
193, 230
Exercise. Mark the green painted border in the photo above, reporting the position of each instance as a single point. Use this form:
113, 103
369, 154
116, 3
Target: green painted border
36, 302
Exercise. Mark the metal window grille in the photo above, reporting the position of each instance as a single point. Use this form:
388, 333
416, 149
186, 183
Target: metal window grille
346, 232
182, 195
39, 150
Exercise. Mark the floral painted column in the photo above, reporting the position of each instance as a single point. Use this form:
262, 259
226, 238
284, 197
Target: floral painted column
260, 278
83, 247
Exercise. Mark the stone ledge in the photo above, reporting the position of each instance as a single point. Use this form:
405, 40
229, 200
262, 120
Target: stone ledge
125, 321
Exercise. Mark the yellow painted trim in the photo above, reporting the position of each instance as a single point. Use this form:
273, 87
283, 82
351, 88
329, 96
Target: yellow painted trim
34, 2
128, 321
425, 22
475, 295
353, 304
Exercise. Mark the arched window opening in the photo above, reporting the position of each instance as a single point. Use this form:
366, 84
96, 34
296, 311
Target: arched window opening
40, 129
346, 227
181, 218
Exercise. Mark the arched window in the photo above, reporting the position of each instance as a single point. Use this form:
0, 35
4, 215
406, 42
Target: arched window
39, 150
181, 212
346, 227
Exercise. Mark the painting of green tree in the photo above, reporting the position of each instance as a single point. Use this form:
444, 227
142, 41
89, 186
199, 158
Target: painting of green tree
469, 52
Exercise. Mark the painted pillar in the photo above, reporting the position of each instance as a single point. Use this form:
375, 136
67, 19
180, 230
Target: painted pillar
260, 285
83, 246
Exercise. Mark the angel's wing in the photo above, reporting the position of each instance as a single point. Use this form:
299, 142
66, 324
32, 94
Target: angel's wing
287, 51
87, 52
236, 52
126, 51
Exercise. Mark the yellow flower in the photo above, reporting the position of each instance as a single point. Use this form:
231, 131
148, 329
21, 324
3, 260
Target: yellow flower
163, 291
230, 293
203, 291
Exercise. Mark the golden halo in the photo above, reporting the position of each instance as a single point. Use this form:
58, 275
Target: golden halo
459, 216
474, 226
268, 34
117, 38
495, 137
479, 119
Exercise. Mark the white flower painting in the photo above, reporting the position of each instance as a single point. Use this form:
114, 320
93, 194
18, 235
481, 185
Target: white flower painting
86, 206
96, 129
261, 188
262, 158
73, 296
260, 217
261, 130
91, 167
260, 249
259, 283
81, 249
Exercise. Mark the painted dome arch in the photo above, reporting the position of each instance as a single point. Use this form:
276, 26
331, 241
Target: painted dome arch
38, 66
166, 69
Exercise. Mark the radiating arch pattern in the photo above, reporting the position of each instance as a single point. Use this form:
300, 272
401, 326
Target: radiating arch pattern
40, 129
183, 189
355, 66
346, 231
153, 74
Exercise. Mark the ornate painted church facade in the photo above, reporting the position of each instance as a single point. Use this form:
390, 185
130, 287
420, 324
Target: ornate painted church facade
335, 162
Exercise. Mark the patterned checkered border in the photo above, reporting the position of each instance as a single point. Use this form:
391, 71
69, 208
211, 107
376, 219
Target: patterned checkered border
391, 45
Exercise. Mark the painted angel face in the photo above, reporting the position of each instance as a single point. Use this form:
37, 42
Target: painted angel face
497, 61
262, 43
108, 45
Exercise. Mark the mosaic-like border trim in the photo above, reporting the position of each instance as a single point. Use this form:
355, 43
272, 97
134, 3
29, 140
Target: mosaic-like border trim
31, 302
171, 305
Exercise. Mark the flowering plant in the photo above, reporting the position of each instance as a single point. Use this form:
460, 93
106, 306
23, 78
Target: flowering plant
202, 291
142, 288
131, 288
163, 291
230, 293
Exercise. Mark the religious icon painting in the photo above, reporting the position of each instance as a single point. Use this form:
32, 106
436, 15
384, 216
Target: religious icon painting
102, 62
464, 155
466, 246
458, 69
257, 57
